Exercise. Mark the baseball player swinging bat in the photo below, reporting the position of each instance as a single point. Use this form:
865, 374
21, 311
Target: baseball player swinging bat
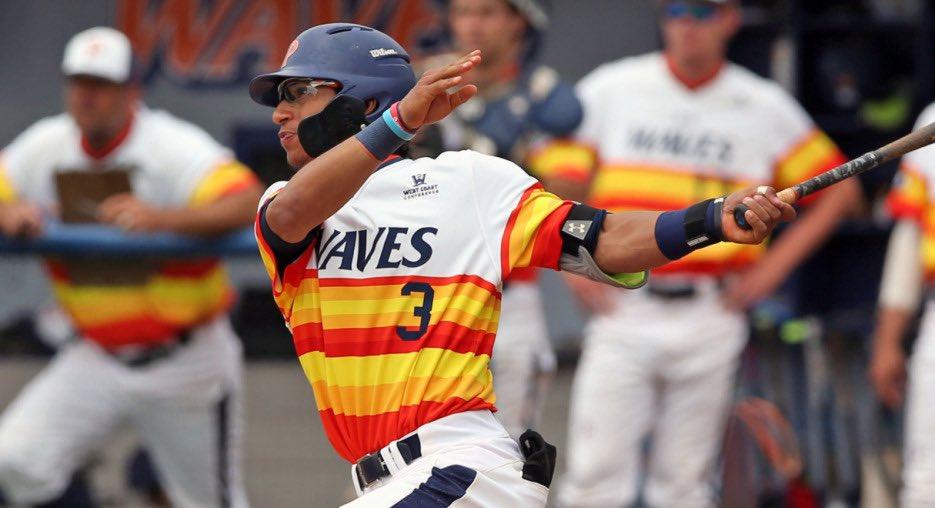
913, 141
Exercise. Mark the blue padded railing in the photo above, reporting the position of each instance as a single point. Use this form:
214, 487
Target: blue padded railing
96, 240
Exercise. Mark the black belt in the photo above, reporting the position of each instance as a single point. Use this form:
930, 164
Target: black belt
146, 355
373, 467
680, 291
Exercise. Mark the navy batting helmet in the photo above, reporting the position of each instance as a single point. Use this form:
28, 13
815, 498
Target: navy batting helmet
367, 63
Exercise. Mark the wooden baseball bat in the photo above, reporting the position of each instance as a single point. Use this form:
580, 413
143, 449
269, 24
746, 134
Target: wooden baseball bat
912, 141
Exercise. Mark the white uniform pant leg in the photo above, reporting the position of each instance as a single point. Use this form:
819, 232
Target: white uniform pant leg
58, 419
191, 419
486, 474
687, 436
523, 361
612, 403
919, 449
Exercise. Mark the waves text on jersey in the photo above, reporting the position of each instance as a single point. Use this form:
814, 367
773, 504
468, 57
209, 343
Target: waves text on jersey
383, 248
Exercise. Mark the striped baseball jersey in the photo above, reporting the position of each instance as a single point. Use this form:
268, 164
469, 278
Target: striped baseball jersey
393, 305
171, 163
913, 194
659, 144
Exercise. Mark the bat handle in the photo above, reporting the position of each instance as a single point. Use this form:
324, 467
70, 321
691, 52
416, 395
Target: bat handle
740, 219
790, 195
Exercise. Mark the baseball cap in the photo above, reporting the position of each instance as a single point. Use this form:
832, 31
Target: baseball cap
101, 52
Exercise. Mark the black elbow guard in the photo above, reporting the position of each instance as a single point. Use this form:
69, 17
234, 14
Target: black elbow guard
581, 228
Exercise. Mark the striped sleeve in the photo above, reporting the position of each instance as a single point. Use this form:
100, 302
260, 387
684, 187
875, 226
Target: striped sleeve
7, 189
813, 154
286, 280
226, 178
532, 234
908, 197
564, 159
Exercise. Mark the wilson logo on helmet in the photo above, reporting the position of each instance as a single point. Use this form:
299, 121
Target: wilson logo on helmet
377, 53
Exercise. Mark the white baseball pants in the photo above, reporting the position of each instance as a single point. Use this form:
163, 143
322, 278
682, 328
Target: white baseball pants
919, 446
468, 460
523, 361
187, 409
658, 367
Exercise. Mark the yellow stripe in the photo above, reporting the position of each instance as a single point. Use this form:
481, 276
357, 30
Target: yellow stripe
225, 176
806, 160
390, 368
535, 209
373, 400
175, 300
562, 156
7, 191
648, 183
910, 186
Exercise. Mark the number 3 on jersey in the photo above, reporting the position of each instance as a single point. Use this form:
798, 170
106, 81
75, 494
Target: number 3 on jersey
423, 312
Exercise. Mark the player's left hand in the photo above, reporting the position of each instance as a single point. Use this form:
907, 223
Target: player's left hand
429, 101
765, 212
130, 214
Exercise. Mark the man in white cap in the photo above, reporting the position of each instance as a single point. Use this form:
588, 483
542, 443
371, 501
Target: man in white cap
153, 345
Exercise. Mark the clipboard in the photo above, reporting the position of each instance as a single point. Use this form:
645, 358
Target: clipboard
81, 192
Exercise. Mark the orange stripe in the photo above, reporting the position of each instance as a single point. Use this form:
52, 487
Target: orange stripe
508, 232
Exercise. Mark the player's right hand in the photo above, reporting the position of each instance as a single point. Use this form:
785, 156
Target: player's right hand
21, 220
888, 374
429, 101
765, 212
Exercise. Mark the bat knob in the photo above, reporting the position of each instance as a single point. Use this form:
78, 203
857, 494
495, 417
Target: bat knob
740, 219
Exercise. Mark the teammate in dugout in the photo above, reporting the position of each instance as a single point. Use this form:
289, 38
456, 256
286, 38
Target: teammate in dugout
910, 265
393, 303
521, 104
664, 130
154, 348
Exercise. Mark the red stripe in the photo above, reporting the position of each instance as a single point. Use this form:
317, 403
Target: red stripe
110, 146
189, 269
353, 437
703, 267
547, 246
508, 230
524, 274
384, 340
901, 209
402, 279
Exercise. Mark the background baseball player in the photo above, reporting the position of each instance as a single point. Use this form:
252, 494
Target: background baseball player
155, 348
666, 129
520, 104
388, 270
910, 260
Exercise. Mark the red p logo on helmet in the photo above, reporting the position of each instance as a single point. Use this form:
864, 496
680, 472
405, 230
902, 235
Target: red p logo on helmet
293, 46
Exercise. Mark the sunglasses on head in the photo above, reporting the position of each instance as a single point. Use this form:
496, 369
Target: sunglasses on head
697, 11
294, 89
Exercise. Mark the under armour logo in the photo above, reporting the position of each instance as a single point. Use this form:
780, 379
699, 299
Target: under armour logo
577, 228
418, 180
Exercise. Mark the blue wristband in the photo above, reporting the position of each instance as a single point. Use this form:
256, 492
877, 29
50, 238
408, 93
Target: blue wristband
380, 139
670, 234
395, 127
682, 231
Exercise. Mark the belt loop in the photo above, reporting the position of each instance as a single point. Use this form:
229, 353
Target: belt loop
355, 479
393, 458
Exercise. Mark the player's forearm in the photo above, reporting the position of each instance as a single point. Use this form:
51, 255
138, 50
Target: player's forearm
627, 243
222, 216
803, 237
320, 189
890, 328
